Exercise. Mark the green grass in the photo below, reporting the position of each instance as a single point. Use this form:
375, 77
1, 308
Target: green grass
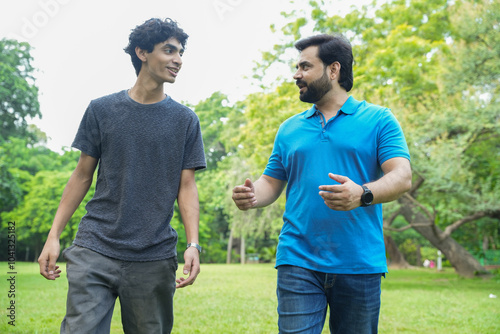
242, 299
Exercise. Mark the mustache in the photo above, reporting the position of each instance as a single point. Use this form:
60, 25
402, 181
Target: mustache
302, 83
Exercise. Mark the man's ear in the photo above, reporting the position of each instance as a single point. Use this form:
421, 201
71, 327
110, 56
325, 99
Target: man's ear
141, 54
334, 70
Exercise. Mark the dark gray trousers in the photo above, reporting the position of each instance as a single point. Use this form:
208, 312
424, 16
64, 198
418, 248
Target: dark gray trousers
145, 290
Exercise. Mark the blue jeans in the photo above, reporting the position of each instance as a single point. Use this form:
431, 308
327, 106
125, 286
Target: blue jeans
304, 296
145, 290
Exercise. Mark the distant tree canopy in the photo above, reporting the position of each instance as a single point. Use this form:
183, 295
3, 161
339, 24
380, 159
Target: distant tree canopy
18, 92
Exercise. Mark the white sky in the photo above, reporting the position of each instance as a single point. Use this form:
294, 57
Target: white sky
78, 49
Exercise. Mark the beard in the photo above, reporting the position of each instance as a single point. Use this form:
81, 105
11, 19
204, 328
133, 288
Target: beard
316, 89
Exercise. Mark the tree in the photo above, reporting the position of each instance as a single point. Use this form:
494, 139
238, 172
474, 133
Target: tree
18, 93
35, 214
457, 183
218, 121
34, 177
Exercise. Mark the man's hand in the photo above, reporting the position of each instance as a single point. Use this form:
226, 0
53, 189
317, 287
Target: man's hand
341, 197
244, 196
191, 267
48, 258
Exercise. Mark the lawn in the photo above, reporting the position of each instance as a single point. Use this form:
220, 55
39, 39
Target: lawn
241, 299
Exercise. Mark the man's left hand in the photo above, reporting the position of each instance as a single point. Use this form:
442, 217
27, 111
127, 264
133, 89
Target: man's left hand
191, 267
341, 197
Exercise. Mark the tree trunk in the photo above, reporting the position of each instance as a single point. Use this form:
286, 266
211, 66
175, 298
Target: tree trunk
463, 262
242, 250
485, 243
419, 256
397, 259
27, 254
229, 247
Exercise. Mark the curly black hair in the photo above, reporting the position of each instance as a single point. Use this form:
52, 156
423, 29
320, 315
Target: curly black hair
150, 33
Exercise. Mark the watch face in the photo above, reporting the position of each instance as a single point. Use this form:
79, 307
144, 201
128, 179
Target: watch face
368, 198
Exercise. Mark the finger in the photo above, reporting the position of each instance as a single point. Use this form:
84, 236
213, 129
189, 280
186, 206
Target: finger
57, 272
245, 205
248, 183
187, 281
52, 265
244, 201
339, 178
187, 268
183, 282
43, 267
241, 189
325, 195
243, 196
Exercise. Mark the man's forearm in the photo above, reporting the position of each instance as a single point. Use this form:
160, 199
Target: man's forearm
395, 182
190, 213
73, 194
189, 206
267, 190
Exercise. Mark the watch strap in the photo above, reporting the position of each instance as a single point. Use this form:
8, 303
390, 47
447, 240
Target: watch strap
195, 245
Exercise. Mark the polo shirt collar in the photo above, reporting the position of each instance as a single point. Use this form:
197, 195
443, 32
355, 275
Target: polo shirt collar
349, 107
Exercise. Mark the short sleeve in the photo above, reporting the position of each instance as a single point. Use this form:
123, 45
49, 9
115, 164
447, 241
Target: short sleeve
194, 154
391, 139
275, 166
88, 138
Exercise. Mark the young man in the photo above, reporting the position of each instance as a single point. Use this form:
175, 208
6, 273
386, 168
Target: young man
340, 160
147, 147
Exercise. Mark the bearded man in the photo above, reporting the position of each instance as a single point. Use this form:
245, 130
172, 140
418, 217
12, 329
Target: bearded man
339, 161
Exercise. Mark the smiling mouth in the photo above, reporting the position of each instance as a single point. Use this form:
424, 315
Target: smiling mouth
174, 70
302, 86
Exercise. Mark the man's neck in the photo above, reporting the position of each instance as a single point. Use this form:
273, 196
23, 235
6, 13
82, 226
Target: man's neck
331, 103
146, 92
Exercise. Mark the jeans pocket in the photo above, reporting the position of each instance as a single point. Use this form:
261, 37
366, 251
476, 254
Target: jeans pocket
66, 251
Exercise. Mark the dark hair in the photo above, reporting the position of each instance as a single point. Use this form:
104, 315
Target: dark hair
332, 48
150, 33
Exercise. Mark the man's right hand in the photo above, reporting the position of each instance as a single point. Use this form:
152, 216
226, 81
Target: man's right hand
48, 258
244, 196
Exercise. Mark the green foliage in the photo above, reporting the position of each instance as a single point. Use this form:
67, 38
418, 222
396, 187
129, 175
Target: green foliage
263, 113
21, 154
36, 177
36, 212
18, 93
214, 226
10, 191
456, 145
214, 112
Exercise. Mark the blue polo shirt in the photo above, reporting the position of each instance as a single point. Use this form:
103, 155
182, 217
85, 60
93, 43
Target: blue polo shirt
354, 143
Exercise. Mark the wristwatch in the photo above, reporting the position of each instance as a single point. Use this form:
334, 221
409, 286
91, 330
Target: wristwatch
366, 197
195, 245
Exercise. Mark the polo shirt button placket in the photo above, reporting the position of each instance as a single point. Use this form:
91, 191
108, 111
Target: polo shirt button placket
324, 135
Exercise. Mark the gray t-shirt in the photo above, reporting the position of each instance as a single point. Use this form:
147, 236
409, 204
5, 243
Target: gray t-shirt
142, 149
